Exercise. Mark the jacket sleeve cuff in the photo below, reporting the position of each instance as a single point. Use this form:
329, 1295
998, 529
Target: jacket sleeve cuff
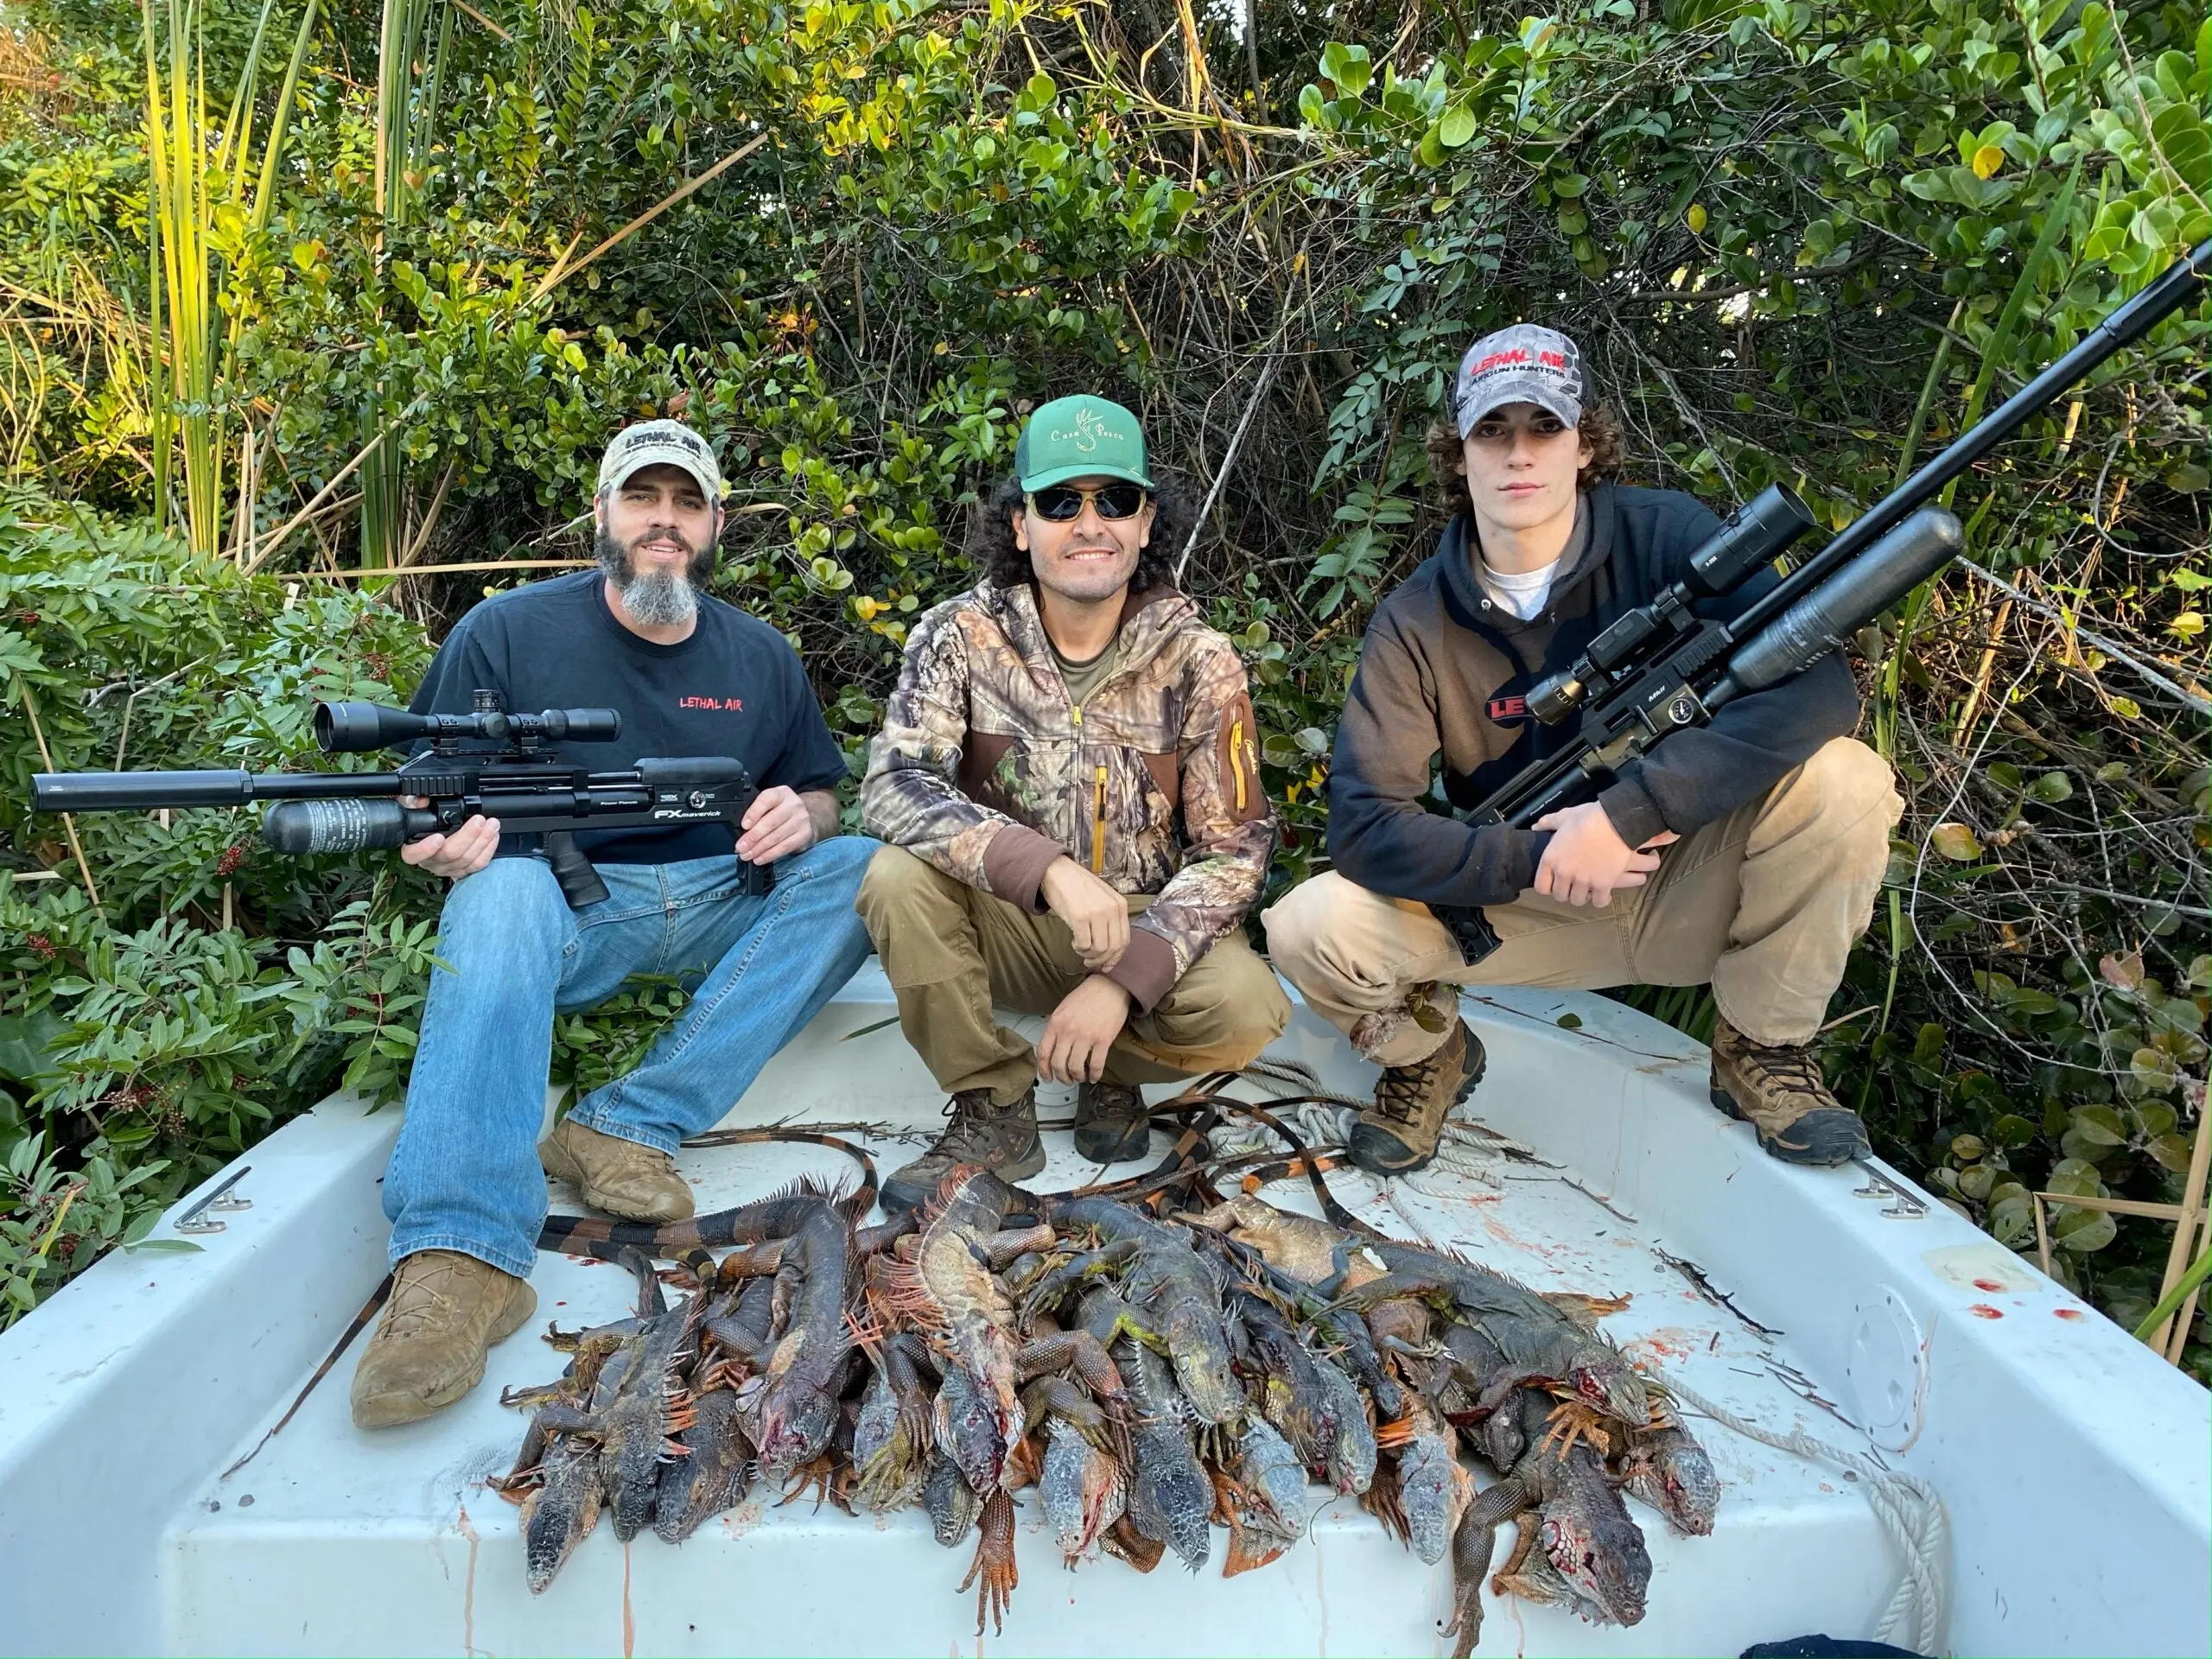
1147, 970
1015, 863
1634, 814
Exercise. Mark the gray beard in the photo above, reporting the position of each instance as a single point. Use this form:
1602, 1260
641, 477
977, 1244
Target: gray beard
657, 598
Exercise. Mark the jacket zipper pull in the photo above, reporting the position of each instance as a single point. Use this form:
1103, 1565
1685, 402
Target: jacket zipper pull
1236, 760
1099, 824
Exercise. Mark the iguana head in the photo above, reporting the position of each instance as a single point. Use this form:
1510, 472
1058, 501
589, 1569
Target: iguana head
1599, 1555
973, 1430
1602, 1376
1672, 1473
792, 1422
1199, 1350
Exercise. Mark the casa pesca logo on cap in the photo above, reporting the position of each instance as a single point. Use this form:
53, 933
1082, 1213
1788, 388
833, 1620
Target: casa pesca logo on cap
1524, 364
1083, 436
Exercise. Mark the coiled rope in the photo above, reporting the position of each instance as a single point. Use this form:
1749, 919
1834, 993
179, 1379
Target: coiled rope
1909, 1509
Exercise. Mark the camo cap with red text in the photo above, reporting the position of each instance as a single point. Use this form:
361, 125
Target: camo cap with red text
1524, 364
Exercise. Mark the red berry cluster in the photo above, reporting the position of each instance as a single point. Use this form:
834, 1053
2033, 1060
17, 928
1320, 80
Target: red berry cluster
232, 857
378, 664
40, 946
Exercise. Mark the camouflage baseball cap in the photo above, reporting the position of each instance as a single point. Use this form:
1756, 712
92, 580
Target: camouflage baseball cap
1082, 436
1521, 365
660, 443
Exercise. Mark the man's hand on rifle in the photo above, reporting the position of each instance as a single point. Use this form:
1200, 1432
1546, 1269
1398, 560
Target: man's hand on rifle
1097, 916
781, 821
1587, 862
464, 852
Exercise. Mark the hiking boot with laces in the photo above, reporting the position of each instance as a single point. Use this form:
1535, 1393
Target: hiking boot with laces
445, 1310
1110, 1124
1780, 1092
1001, 1139
616, 1176
1399, 1133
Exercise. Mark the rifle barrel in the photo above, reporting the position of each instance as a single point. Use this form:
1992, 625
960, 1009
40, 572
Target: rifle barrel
2127, 324
125, 792
1825, 618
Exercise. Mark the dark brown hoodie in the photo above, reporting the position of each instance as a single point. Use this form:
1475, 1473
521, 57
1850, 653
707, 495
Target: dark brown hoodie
1443, 673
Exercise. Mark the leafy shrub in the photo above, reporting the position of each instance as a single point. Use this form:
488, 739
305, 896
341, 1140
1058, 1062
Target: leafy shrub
1797, 242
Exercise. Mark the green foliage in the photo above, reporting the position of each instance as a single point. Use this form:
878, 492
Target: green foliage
216, 989
1797, 242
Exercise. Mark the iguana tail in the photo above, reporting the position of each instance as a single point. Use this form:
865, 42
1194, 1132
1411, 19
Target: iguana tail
765, 1218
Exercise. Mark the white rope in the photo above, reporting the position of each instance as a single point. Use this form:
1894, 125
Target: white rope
1909, 1509
1322, 1125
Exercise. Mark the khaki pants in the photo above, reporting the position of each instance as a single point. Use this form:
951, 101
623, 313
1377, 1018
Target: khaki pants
1764, 902
951, 951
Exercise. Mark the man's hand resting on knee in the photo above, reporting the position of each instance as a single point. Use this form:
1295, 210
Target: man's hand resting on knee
1082, 1029
464, 852
1587, 862
1097, 916
781, 821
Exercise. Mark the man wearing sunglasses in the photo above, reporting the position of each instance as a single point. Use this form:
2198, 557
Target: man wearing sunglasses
1745, 854
1068, 785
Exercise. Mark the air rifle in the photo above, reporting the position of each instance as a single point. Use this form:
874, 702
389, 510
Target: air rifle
528, 790
1661, 667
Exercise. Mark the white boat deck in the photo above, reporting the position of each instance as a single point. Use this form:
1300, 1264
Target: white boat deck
1912, 1337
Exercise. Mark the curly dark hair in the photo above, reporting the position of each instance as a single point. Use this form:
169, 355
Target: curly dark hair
1600, 430
991, 543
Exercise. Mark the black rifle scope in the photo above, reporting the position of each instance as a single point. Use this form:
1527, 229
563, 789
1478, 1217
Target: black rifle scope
360, 727
1761, 528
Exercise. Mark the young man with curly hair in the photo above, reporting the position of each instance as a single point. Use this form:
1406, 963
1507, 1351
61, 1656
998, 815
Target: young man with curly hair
1745, 853
1068, 785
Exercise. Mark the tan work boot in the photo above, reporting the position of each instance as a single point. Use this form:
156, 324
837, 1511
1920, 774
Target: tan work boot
1001, 1139
428, 1350
617, 1176
1110, 1122
1780, 1092
1399, 1133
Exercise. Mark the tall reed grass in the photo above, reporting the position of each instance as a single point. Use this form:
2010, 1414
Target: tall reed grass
209, 196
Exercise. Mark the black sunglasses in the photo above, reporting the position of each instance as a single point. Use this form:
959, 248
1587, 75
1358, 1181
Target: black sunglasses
1060, 504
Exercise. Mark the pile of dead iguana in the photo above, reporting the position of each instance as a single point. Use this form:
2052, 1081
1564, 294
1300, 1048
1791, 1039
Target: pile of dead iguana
1150, 1374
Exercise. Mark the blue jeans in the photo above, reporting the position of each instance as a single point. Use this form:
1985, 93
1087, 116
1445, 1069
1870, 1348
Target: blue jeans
465, 1174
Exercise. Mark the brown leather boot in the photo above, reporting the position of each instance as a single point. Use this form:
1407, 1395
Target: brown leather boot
1001, 1139
1780, 1092
428, 1350
1110, 1124
1399, 1133
617, 1176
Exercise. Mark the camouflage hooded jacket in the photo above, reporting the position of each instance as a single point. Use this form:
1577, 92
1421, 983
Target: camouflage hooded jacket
987, 770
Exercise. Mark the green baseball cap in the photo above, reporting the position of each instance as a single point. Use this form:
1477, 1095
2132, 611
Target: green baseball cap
1081, 437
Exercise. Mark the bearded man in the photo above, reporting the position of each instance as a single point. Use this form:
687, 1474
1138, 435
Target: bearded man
690, 676
1068, 779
